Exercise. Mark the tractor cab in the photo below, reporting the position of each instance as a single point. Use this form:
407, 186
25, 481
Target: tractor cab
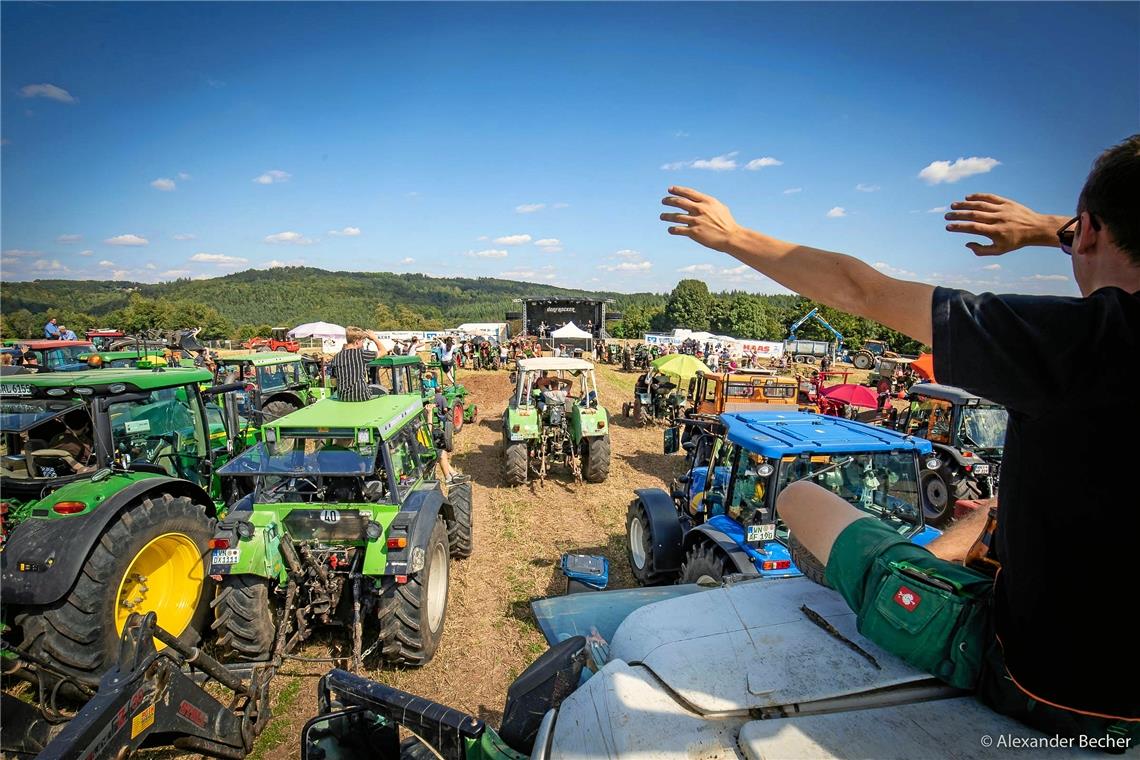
741, 390
398, 374
276, 383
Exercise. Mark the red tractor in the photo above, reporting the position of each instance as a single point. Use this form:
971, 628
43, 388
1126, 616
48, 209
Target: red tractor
279, 342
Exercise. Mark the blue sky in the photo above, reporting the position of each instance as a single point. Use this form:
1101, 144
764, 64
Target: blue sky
148, 141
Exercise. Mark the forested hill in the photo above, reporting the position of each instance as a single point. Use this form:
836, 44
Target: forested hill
292, 295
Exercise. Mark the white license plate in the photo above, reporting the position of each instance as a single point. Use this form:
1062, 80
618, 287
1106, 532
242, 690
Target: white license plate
763, 532
981, 469
225, 556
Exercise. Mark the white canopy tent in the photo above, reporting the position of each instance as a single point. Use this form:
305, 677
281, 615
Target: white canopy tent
318, 330
572, 335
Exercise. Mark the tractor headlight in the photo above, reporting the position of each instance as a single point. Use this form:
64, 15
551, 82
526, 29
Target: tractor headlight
244, 529
373, 530
933, 463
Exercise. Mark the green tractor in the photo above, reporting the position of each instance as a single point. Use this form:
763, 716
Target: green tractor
276, 383
549, 421
406, 374
338, 519
109, 500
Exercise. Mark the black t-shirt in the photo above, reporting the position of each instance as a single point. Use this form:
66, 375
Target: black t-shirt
1069, 506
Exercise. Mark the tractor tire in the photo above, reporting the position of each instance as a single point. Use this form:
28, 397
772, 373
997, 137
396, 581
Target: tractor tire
862, 360
705, 564
275, 410
460, 531
448, 434
625, 408
807, 563
284, 349
966, 488
163, 535
457, 415
638, 412
937, 499
412, 614
596, 458
244, 618
515, 463
639, 544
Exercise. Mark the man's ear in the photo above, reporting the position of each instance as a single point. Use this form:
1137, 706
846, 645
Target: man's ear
1089, 236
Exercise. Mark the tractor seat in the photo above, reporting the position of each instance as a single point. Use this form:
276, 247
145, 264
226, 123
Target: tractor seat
46, 463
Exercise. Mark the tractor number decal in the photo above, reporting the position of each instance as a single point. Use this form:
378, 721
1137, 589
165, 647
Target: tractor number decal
907, 599
330, 516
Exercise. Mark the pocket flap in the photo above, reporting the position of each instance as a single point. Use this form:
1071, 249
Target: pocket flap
908, 604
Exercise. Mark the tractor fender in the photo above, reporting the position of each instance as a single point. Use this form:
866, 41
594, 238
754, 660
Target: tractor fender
952, 456
43, 557
662, 512
416, 518
740, 560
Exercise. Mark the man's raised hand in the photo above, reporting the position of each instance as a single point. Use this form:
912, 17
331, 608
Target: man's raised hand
1008, 224
705, 219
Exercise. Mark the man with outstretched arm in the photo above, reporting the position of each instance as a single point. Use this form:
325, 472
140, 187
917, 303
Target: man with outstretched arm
1052, 643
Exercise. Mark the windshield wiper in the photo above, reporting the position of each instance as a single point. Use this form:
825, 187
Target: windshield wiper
829, 468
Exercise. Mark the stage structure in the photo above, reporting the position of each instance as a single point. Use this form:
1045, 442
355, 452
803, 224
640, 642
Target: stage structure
542, 316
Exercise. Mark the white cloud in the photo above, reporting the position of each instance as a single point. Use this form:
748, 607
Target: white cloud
549, 245
165, 184
757, 164
519, 274
627, 266
529, 208
865, 188
491, 253
887, 269
1046, 278
220, 259
296, 238
21, 252
49, 91
629, 253
173, 274
836, 212
560, 205
120, 274
680, 133
130, 240
149, 266
69, 238
346, 232
482, 238
183, 176
87, 252
273, 176
944, 171
276, 264
407, 260
49, 265
512, 240
695, 268
792, 190
725, 162
936, 210
992, 267
107, 263
185, 236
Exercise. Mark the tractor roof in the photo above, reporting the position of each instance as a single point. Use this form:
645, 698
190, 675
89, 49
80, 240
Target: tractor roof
43, 344
261, 358
778, 434
949, 393
384, 414
99, 379
554, 363
393, 360
149, 353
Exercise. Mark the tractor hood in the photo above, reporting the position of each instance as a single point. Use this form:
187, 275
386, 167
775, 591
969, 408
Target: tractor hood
749, 646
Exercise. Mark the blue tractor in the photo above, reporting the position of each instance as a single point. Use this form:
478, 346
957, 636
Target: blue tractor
720, 518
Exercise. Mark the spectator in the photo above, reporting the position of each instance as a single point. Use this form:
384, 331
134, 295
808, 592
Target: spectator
1026, 353
447, 358
66, 334
51, 329
350, 365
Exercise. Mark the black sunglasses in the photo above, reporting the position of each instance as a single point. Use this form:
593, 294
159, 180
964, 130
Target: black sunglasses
1067, 234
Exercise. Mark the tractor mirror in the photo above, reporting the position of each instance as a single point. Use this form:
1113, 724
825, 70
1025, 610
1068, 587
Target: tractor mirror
672, 440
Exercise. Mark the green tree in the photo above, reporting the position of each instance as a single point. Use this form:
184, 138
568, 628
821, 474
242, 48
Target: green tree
689, 305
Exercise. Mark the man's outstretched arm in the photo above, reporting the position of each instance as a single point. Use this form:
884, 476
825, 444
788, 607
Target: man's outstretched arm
842, 281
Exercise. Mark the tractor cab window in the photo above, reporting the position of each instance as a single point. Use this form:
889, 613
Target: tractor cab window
161, 432
776, 389
750, 486
983, 427
711, 385
272, 377
711, 480
45, 438
409, 457
929, 418
882, 484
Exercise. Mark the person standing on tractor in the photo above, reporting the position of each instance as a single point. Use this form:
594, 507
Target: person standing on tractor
350, 365
446, 355
51, 329
1050, 646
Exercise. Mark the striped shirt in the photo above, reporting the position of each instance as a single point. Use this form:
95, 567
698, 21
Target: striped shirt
350, 367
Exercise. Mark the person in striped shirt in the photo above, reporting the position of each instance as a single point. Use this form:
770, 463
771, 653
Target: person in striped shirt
350, 365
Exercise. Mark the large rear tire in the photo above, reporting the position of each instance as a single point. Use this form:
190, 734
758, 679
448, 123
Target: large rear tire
448, 434
244, 618
807, 563
412, 614
149, 559
457, 415
862, 360
460, 531
639, 544
277, 409
937, 502
514, 463
705, 564
596, 452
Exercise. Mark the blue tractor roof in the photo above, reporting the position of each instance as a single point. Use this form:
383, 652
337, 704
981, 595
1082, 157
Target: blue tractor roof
779, 434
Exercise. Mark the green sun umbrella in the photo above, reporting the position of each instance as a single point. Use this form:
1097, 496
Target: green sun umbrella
682, 366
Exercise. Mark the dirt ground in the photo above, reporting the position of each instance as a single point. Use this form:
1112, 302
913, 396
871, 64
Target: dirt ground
520, 534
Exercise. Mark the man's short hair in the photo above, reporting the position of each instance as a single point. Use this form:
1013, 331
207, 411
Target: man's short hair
1112, 194
354, 334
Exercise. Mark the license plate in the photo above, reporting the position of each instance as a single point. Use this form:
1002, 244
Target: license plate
762, 532
225, 556
981, 469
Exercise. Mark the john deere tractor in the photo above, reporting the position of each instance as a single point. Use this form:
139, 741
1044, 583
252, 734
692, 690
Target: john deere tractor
107, 510
554, 418
338, 519
407, 374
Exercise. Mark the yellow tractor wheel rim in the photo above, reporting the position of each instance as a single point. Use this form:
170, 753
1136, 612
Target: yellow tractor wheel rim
166, 578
